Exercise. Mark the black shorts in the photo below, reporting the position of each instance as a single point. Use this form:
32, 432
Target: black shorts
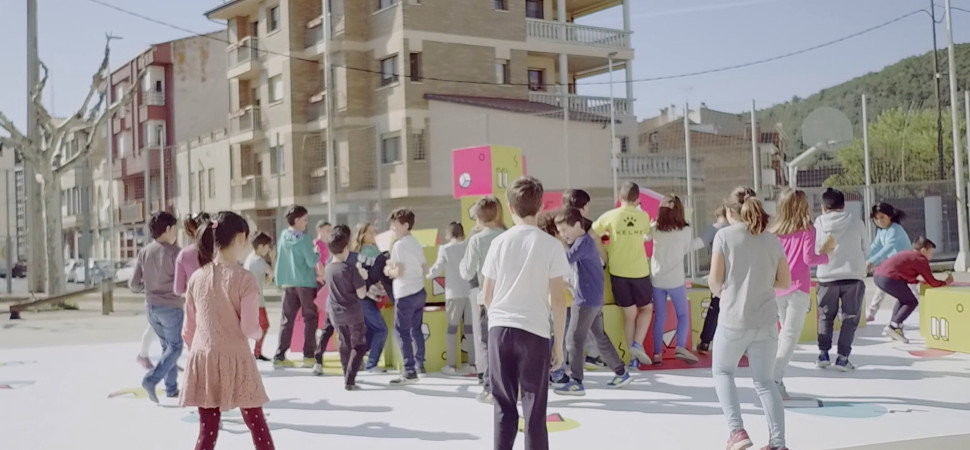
631, 291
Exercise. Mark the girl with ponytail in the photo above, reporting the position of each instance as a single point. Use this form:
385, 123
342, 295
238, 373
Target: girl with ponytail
747, 265
186, 263
221, 315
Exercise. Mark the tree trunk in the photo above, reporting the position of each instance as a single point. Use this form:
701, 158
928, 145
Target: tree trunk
53, 232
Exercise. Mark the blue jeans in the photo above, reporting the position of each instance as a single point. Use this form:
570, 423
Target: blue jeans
761, 346
167, 323
678, 296
408, 318
376, 332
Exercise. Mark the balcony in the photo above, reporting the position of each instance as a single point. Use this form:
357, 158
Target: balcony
254, 191
658, 167
570, 33
152, 98
244, 59
313, 37
132, 212
585, 103
245, 125
317, 108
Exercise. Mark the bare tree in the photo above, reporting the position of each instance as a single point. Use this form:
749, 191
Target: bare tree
49, 161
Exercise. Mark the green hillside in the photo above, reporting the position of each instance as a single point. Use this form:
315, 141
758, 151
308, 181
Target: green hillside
907, 84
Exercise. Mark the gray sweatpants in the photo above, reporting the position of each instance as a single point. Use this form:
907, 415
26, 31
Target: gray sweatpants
848, 294
458, 310
583, 322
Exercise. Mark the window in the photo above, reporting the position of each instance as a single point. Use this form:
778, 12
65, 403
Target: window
273, 18
158, 86
212, 183
534, 9
537, 80
415, 67
276, 159
200, 183
502, 5
391, 150
276, 89
419, 151
389, 73
624, 144
502, 74
381, 4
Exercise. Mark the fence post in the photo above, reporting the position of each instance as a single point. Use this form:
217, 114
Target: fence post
755, 155
867, 196
691, 257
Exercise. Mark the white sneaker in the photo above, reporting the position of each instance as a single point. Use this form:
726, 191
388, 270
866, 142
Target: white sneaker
485, 397
448, 370
318, 369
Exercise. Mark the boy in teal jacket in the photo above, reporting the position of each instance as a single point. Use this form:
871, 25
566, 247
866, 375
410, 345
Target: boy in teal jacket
296, 273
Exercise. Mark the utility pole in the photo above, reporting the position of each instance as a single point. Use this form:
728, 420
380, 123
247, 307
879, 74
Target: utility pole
36, 257
961, 189
330, 99
110, 171
939, 106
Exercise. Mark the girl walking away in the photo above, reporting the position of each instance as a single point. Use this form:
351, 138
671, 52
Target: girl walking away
890, 239
710, 319
900, 270
672, 240
187, 261
794, 229
257, 265
458, 306
221, 315
747, 266
378, 286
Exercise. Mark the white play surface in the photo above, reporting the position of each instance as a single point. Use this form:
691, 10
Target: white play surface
59, 397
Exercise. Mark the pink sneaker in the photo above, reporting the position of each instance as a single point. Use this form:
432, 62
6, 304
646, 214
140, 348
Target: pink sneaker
739, 441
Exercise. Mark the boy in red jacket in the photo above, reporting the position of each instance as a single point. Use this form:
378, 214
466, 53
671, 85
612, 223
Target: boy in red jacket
895, 274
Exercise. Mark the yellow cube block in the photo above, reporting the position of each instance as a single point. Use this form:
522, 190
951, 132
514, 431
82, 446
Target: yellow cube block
944, 318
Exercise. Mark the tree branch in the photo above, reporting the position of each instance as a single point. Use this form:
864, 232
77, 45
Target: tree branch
9, 126
101, 77
44, 119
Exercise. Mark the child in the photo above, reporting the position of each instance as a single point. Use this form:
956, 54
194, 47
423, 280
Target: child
890, 239
320, 242
793, 226
628, 226
187, 261
221, 315
841, 279
155, 277
373, 261
347, 289
746, 266
524, 268
900, 270
587, 316
488, 218
320, 248
672, 240
546, 221
256, 264
295, 272
579, 199
406, 268
458, 307
710, 320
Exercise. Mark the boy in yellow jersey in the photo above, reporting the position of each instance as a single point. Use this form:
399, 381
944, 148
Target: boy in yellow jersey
628, 227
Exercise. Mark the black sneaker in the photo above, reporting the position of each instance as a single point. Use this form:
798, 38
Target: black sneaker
823, 360
704, 348
842, 363
421, 370
481, 379
263, 358
596, 363
405, 379
351, 387
562, 380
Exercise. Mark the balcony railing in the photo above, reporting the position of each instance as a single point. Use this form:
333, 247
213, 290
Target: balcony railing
254, 188
314, 33
650, 166
153, 98
585, 103
132, 212
245, 120
578, 34
244, 51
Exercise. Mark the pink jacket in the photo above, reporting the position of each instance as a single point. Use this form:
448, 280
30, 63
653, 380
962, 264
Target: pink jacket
800, 252
186, 263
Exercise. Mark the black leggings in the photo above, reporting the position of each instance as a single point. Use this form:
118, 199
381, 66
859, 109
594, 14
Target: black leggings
899, 289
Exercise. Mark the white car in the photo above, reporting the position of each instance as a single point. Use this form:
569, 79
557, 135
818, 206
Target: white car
70, 269
126, 271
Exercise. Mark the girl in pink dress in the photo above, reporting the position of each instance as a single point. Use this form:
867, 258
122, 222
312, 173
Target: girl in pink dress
221, 315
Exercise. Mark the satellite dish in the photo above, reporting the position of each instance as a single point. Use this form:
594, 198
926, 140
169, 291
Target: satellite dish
827, 128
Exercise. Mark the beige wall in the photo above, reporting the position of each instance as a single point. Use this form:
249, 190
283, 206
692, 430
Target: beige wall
468, 18
540, 139
200, 88
210, 155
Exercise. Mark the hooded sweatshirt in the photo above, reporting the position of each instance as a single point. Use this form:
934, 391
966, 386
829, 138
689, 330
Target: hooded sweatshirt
848, 260
295, 260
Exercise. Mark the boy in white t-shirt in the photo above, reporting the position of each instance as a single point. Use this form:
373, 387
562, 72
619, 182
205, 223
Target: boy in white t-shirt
524, 265
406, 267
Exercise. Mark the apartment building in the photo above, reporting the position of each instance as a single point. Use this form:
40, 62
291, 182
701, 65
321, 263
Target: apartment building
183, 93
413, 80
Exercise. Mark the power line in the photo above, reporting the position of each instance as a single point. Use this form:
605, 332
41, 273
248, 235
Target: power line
640, 80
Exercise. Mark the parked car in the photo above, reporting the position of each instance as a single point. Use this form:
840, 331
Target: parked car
19, 269
126, 271
70, 269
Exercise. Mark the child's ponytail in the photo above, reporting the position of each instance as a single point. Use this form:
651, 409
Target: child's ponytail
206, 243
754, 216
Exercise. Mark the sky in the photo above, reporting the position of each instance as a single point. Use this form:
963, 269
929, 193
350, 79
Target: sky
670, 37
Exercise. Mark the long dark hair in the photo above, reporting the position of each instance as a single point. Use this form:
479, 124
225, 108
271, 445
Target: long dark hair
670, 216
219, 233
895, 215
193, 223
